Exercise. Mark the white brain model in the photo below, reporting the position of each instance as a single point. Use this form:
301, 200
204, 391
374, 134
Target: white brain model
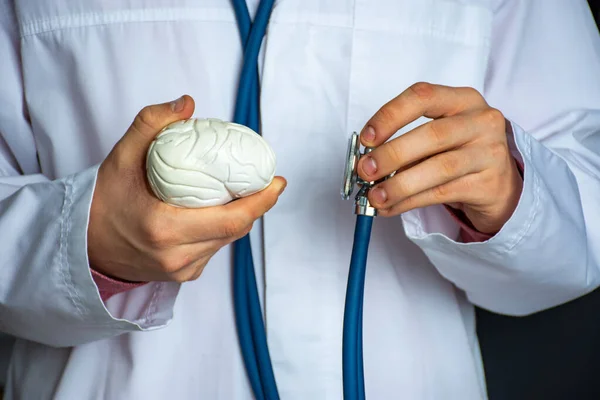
207, 162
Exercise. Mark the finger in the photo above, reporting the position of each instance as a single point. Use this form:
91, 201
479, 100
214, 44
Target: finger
434, 171
420, 100
152, 119
229, 221
422, 142
456, 191
193, 270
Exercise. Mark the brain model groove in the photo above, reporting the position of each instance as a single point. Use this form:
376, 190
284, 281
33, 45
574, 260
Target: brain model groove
207, 162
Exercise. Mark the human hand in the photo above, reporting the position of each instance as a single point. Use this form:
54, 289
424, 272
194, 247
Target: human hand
460, 158
134, 236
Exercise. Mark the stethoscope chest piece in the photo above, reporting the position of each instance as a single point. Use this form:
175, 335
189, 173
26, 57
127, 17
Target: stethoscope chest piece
350, 175
351, 179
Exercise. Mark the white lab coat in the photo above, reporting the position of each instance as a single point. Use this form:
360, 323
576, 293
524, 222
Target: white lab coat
73, 75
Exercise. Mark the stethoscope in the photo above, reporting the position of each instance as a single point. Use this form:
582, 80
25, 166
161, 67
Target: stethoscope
248, 314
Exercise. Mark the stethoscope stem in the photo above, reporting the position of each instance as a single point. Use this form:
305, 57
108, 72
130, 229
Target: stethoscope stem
352, 348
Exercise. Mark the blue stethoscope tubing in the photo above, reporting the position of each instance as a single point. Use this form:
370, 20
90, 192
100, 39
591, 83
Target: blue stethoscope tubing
249, 319
352, 341
247, 307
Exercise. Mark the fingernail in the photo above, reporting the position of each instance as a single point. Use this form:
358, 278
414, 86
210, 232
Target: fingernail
369, 134
378, 195
369, 166
281, 188
177, 105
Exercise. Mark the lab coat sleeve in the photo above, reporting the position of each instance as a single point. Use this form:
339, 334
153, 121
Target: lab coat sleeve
47, 293
544, 75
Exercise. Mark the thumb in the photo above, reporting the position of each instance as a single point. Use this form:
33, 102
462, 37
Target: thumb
152, 119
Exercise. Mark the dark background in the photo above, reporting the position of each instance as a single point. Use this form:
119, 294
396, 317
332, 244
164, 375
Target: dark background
551, 355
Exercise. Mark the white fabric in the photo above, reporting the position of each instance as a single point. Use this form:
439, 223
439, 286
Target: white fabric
74, 74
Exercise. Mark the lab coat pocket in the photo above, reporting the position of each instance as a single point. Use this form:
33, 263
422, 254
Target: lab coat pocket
398, 43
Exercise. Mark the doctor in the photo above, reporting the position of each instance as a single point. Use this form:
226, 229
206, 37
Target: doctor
112, 294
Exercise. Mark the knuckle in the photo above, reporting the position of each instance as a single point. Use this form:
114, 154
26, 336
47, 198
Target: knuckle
438, 132
481, 182
233, 228
160, 228
394, 151
181, 277
170, 263
472, 184
198, 272
493, 118
422, 90
449, 165
176, 264
146, 119
156, 235
385, 114
471, 92
498, 151
440, 193
246, 230
200, 265
481, 186
238, 235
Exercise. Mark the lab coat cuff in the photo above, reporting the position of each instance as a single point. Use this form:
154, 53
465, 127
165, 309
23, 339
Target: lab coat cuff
527, 266
422, 227
142, 308
108, 286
